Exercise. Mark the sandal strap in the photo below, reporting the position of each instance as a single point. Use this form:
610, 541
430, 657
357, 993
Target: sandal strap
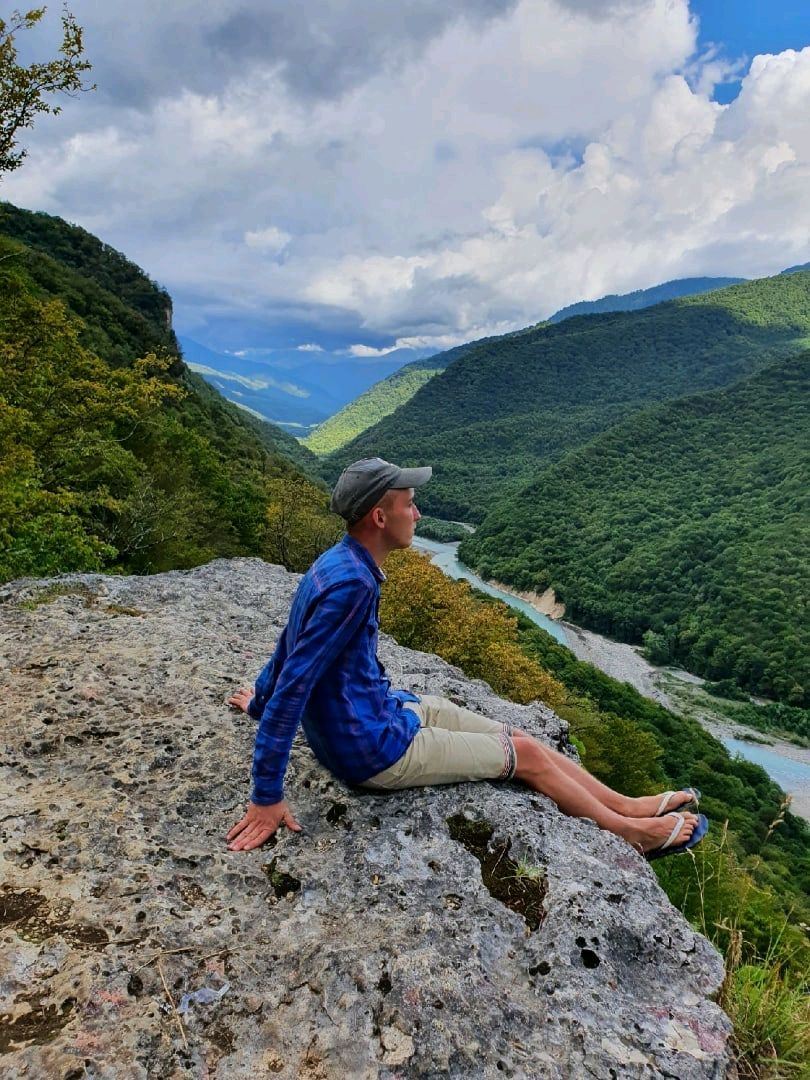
692, 801
678, 826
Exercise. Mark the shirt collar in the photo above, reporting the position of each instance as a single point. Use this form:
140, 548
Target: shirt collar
365, 555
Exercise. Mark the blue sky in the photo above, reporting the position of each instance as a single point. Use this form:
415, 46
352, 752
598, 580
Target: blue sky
748, 27
357, 176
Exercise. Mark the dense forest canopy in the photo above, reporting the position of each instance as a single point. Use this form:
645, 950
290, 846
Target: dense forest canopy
389, 393
690, 521
500, 413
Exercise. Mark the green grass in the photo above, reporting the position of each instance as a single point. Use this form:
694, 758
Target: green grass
54, 592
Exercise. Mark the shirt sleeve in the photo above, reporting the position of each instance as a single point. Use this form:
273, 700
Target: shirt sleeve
266, 681
330, 626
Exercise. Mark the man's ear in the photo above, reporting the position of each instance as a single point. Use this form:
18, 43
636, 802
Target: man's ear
378, 516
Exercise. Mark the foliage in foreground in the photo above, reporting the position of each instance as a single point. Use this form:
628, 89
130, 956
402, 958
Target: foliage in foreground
124, 467
423, 609
748, 891
26, 90
765, 991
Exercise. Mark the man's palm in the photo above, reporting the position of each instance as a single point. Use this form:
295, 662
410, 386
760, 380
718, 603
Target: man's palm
259, 824
241, 699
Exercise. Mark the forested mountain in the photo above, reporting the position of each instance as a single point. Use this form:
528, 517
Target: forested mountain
389, 393
378, 401
382, 398
506, 409
113, 455
691, 520
642, 298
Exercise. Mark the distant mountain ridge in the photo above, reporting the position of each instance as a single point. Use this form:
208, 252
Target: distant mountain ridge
504, 410
292, 388
642, 298
392, 392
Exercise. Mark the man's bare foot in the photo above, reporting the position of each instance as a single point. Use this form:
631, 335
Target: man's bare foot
647, 805
241, 699
645, 834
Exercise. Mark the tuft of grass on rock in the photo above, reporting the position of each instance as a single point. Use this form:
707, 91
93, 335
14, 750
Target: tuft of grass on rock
49, 593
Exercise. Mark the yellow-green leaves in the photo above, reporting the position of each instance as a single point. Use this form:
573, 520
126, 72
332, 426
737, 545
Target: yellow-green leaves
25, 92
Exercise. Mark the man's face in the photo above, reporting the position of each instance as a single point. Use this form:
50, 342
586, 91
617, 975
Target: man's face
401, 517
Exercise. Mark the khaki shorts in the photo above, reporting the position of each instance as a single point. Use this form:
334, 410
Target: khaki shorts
452, 745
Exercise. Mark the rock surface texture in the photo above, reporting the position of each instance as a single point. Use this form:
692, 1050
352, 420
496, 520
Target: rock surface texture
468, 931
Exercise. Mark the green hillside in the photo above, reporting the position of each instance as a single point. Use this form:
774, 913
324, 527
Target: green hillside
113, 455
506, 409
384, 397
124, 313
378, 401
389, 393
690, 520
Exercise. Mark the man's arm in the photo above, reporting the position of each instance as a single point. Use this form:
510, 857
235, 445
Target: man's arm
266, 679
338, 616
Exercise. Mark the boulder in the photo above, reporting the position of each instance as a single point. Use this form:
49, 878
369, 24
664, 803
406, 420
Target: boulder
465, 931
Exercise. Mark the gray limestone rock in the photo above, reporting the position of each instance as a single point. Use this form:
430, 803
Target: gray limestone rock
466, 931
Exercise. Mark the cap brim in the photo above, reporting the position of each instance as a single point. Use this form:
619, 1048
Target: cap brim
414, 478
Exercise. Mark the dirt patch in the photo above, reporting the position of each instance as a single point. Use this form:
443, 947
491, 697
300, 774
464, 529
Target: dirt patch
516, 885
32, 918
39, 1025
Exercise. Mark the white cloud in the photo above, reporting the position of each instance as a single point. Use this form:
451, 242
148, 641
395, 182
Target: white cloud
271, 240
496, 169
309, 348
369, 350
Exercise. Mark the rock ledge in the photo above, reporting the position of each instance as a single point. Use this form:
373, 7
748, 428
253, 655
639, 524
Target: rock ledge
370, 946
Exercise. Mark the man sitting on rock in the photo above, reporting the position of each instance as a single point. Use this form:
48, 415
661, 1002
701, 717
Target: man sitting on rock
325, 674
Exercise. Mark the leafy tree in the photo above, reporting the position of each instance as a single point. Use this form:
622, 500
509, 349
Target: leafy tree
66, 420
113, 455
424, 609
656, 647
296, 528
26, 92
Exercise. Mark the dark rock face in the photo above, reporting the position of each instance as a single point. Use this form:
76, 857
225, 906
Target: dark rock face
467, 931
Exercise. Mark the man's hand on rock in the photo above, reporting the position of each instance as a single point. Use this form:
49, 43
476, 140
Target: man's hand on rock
241, 699
259, 824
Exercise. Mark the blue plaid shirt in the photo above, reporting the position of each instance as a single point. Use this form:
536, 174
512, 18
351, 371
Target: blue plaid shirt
325, 674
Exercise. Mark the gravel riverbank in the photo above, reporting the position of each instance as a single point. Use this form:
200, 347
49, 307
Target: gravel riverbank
622, 662
627, 664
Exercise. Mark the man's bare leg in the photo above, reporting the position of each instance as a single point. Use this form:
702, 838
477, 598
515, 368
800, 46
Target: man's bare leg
645, 806
537, 766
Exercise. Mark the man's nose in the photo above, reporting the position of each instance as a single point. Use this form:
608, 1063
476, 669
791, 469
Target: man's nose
416, 514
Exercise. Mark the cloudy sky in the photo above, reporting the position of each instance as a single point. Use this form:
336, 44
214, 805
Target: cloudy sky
350, 174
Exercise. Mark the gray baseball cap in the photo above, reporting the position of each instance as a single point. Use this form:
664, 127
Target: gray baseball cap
362, 484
